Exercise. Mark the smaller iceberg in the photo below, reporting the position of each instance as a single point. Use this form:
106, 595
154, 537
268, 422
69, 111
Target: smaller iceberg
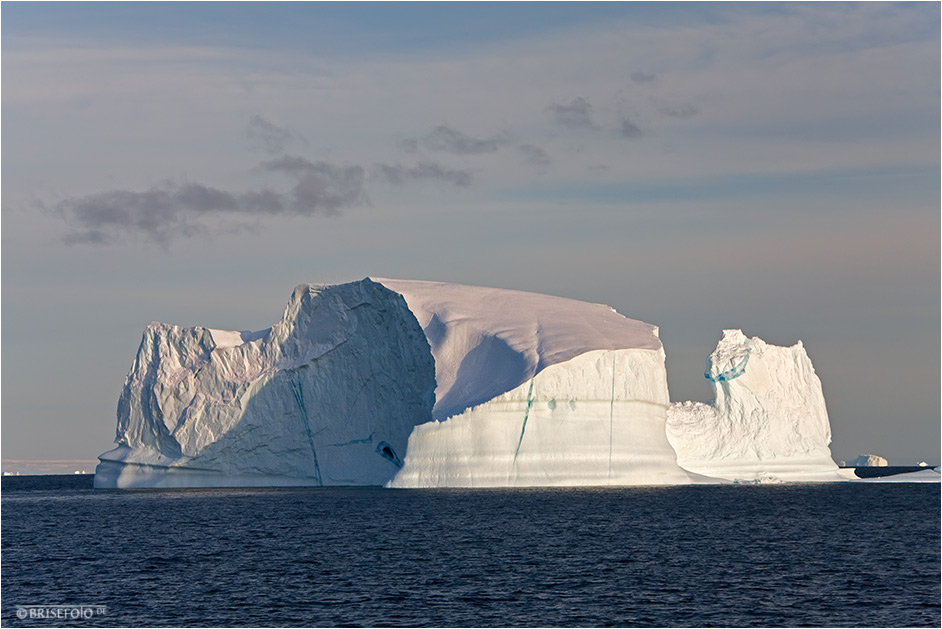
869, 460
768, 420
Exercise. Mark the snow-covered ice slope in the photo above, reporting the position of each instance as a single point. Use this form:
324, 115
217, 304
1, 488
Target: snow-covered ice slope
537, 390
768, 419
327, 396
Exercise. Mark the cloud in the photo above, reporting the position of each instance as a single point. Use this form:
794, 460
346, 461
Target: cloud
397, 174
643, 78
628, 129
676, 109
161, 213
174, 209
409, 145
321, 187
447, 140
535, 156
576, 115
266, 136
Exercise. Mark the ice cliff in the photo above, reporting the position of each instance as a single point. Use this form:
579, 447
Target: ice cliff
768, 420
328, 396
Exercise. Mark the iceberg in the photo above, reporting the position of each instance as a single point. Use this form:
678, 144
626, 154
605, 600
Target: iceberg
767, 422
403, 383
400, 383
869, 460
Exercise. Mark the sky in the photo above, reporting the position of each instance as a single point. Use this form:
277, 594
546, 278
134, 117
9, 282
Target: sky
770, 167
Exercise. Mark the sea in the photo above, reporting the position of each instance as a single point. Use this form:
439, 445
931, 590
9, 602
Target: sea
834, 555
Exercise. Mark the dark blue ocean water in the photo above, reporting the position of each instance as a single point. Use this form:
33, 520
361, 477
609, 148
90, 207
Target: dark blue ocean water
788, 555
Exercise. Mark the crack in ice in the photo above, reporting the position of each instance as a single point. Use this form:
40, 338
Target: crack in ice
299, 398
523, 428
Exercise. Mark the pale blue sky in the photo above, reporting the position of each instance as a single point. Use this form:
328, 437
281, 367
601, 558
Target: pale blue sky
771, 167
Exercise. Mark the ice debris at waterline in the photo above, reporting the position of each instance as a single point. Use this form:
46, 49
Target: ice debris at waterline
424, 384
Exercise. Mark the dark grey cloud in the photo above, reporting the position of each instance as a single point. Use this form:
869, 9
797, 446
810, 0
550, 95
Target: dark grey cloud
179, 209
161, 213
535, 156
320, 187
628, 129
643, 78
444, 139
269, 137
576, 115
397, 174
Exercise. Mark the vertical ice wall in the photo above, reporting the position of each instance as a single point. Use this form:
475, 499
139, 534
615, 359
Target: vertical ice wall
595, 419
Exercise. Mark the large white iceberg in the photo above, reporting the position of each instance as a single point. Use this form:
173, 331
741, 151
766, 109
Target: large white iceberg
424, 384
768, 420
402, 383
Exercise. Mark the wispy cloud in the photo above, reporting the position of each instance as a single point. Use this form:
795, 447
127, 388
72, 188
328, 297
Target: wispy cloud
443, 139
675, 109
159, 214
576, 115
642, 78
269, 137
628, 129
398, 174
535, 156
321, 187
175, 209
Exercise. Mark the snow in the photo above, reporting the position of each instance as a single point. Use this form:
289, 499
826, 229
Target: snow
224, 339
768, 420
487, 341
